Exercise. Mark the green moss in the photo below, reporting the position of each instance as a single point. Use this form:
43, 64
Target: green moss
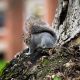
56, 78
45, 62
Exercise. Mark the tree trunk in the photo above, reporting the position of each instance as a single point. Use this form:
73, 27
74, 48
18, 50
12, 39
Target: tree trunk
67, 20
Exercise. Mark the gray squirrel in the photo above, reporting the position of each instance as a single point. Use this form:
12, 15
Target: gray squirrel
38, 34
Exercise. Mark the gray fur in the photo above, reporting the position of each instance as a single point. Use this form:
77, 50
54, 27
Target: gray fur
41, 40
40, 35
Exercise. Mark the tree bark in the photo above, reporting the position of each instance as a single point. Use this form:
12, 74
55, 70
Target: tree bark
67, 20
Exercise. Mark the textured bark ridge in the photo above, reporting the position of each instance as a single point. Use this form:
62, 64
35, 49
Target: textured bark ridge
60, 63
67, 20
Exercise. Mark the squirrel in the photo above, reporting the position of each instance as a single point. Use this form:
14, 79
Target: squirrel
38, 34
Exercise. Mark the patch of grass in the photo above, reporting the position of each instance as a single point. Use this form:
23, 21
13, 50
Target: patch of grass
3, 64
